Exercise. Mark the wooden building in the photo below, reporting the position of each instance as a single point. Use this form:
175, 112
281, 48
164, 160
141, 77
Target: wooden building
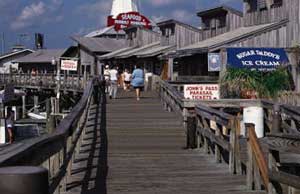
266, 23
40, 60
219, 20
8, 60
138, 39
90, 48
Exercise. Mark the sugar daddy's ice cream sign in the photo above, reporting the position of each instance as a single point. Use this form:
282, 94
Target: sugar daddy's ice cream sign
262, 59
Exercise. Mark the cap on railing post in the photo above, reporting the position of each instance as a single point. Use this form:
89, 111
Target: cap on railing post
23, 179
276, 122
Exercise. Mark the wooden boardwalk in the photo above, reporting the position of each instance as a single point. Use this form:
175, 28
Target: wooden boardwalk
141, 151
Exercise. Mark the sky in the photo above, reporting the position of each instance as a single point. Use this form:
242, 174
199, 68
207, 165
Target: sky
60, 19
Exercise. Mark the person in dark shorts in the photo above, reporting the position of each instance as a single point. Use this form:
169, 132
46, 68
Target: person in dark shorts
10, 125
138, 81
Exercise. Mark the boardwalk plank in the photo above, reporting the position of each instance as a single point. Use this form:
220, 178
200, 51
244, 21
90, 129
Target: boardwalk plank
145, 155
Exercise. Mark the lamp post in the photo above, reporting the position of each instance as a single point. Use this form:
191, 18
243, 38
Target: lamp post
57, 63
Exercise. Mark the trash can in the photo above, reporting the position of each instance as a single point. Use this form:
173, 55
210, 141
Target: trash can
24, 179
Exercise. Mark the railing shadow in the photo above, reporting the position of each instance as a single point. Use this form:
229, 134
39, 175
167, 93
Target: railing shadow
94, 172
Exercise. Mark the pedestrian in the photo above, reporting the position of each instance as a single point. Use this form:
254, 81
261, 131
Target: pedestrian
106, 74
127, 80
138, 81
10, 125
114, 75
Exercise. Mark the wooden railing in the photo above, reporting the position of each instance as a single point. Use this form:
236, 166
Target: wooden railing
219, 134
211, 126
257, 168
45, 81
56, 151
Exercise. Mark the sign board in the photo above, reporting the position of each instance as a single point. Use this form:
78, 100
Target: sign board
262, 59
125, 20
214, 62
69, 65
202, 91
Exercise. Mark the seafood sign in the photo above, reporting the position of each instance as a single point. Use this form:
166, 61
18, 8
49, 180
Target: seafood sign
262, 59
202, 92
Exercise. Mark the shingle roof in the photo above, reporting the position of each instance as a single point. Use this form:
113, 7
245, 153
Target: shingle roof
42, 56
157, 50
229, 37
100, 44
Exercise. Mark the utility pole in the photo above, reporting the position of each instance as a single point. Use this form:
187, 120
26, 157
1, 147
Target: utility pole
2, 43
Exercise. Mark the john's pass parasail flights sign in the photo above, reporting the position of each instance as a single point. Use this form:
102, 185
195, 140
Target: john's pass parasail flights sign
125, 20
262, 59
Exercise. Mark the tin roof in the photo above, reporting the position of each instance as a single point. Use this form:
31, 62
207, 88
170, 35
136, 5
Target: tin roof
100, 44
157, 50
114, 53
228, 38
134, 52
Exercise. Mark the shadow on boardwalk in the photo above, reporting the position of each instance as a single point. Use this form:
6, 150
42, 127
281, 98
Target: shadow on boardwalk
90, 168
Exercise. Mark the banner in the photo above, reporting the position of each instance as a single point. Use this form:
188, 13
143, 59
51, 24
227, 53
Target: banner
202, 91
262, 59
69, 65
214, 62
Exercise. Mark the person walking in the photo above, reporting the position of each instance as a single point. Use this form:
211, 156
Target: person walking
114, 75
10, 125
138, 81
106, 74
127, 80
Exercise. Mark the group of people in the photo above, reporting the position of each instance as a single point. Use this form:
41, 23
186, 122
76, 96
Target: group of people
114, 79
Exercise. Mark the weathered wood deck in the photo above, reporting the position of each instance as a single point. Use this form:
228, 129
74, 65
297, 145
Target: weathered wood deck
145, 155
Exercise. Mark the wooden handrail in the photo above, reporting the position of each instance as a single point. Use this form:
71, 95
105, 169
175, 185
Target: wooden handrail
63, 143
258, 154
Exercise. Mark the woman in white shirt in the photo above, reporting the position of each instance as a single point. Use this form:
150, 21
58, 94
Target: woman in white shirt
127, 80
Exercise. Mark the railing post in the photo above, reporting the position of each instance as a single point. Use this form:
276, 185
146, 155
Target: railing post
19, 180
23, 106
273, 158
191, 133
232, 143
276, 121
218, 157
250, 174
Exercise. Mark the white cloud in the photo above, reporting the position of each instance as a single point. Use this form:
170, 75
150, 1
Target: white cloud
38, 13
96, 12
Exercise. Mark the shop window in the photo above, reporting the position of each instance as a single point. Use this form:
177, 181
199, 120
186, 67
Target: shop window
252, 6
277, 3
262, 4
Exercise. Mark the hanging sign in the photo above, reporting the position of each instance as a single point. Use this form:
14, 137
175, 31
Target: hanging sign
202, 91
69, 65
262, 59
214, 62
125, 20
